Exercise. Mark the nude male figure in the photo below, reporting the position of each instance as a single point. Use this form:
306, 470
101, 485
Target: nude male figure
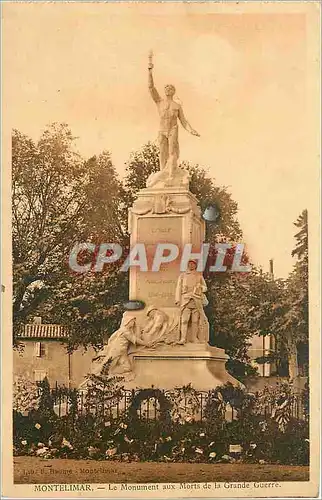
169, 112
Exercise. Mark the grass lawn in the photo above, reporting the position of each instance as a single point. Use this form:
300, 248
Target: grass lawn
35, 470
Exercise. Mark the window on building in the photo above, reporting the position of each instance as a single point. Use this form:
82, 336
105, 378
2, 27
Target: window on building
40, 375
40, 350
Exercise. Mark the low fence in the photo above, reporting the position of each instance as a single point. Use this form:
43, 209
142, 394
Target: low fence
298, 408
66, 401
113, 407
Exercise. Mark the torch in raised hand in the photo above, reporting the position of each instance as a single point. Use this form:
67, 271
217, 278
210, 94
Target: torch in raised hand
150, 65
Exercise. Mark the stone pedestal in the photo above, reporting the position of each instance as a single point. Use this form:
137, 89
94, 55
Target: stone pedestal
164, 215
169, 367
168, 214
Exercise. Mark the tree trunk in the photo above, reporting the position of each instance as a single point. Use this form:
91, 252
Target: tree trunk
292, 362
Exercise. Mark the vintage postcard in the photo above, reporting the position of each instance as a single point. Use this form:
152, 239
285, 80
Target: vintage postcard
160, 249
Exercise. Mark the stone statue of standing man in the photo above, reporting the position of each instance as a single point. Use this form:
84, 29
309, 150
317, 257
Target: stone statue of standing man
169, 111
190, 297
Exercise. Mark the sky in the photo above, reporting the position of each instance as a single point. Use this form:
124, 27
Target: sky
242, 79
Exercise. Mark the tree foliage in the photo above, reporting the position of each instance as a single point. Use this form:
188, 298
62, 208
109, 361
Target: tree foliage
284, 309
58, 200
293, 327
45, 208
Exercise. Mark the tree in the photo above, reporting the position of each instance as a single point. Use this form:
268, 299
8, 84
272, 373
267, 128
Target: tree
141, 164
302, 247
58, 200
244, 305
44, 207
294, 327
285, 308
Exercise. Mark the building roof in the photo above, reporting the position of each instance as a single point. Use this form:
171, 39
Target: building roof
43, 331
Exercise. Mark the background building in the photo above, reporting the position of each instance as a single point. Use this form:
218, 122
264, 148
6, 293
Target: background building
45, 354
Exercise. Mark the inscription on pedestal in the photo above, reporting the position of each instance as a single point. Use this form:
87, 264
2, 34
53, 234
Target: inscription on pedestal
157, 288
154, 230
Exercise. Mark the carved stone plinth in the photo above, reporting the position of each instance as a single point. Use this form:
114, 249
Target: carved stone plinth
160, 345
165, 179
169, 367
162, 216
168, 215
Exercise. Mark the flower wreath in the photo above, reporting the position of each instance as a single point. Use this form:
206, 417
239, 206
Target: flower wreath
145, 394
185, 404
218, 399
215, 407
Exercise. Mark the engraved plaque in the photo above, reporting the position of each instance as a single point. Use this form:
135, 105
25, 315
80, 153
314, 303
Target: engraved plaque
157, 288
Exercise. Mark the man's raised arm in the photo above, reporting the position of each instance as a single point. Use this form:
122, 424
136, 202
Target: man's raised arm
153, 91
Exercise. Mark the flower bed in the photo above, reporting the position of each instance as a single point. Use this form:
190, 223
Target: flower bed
250, 434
